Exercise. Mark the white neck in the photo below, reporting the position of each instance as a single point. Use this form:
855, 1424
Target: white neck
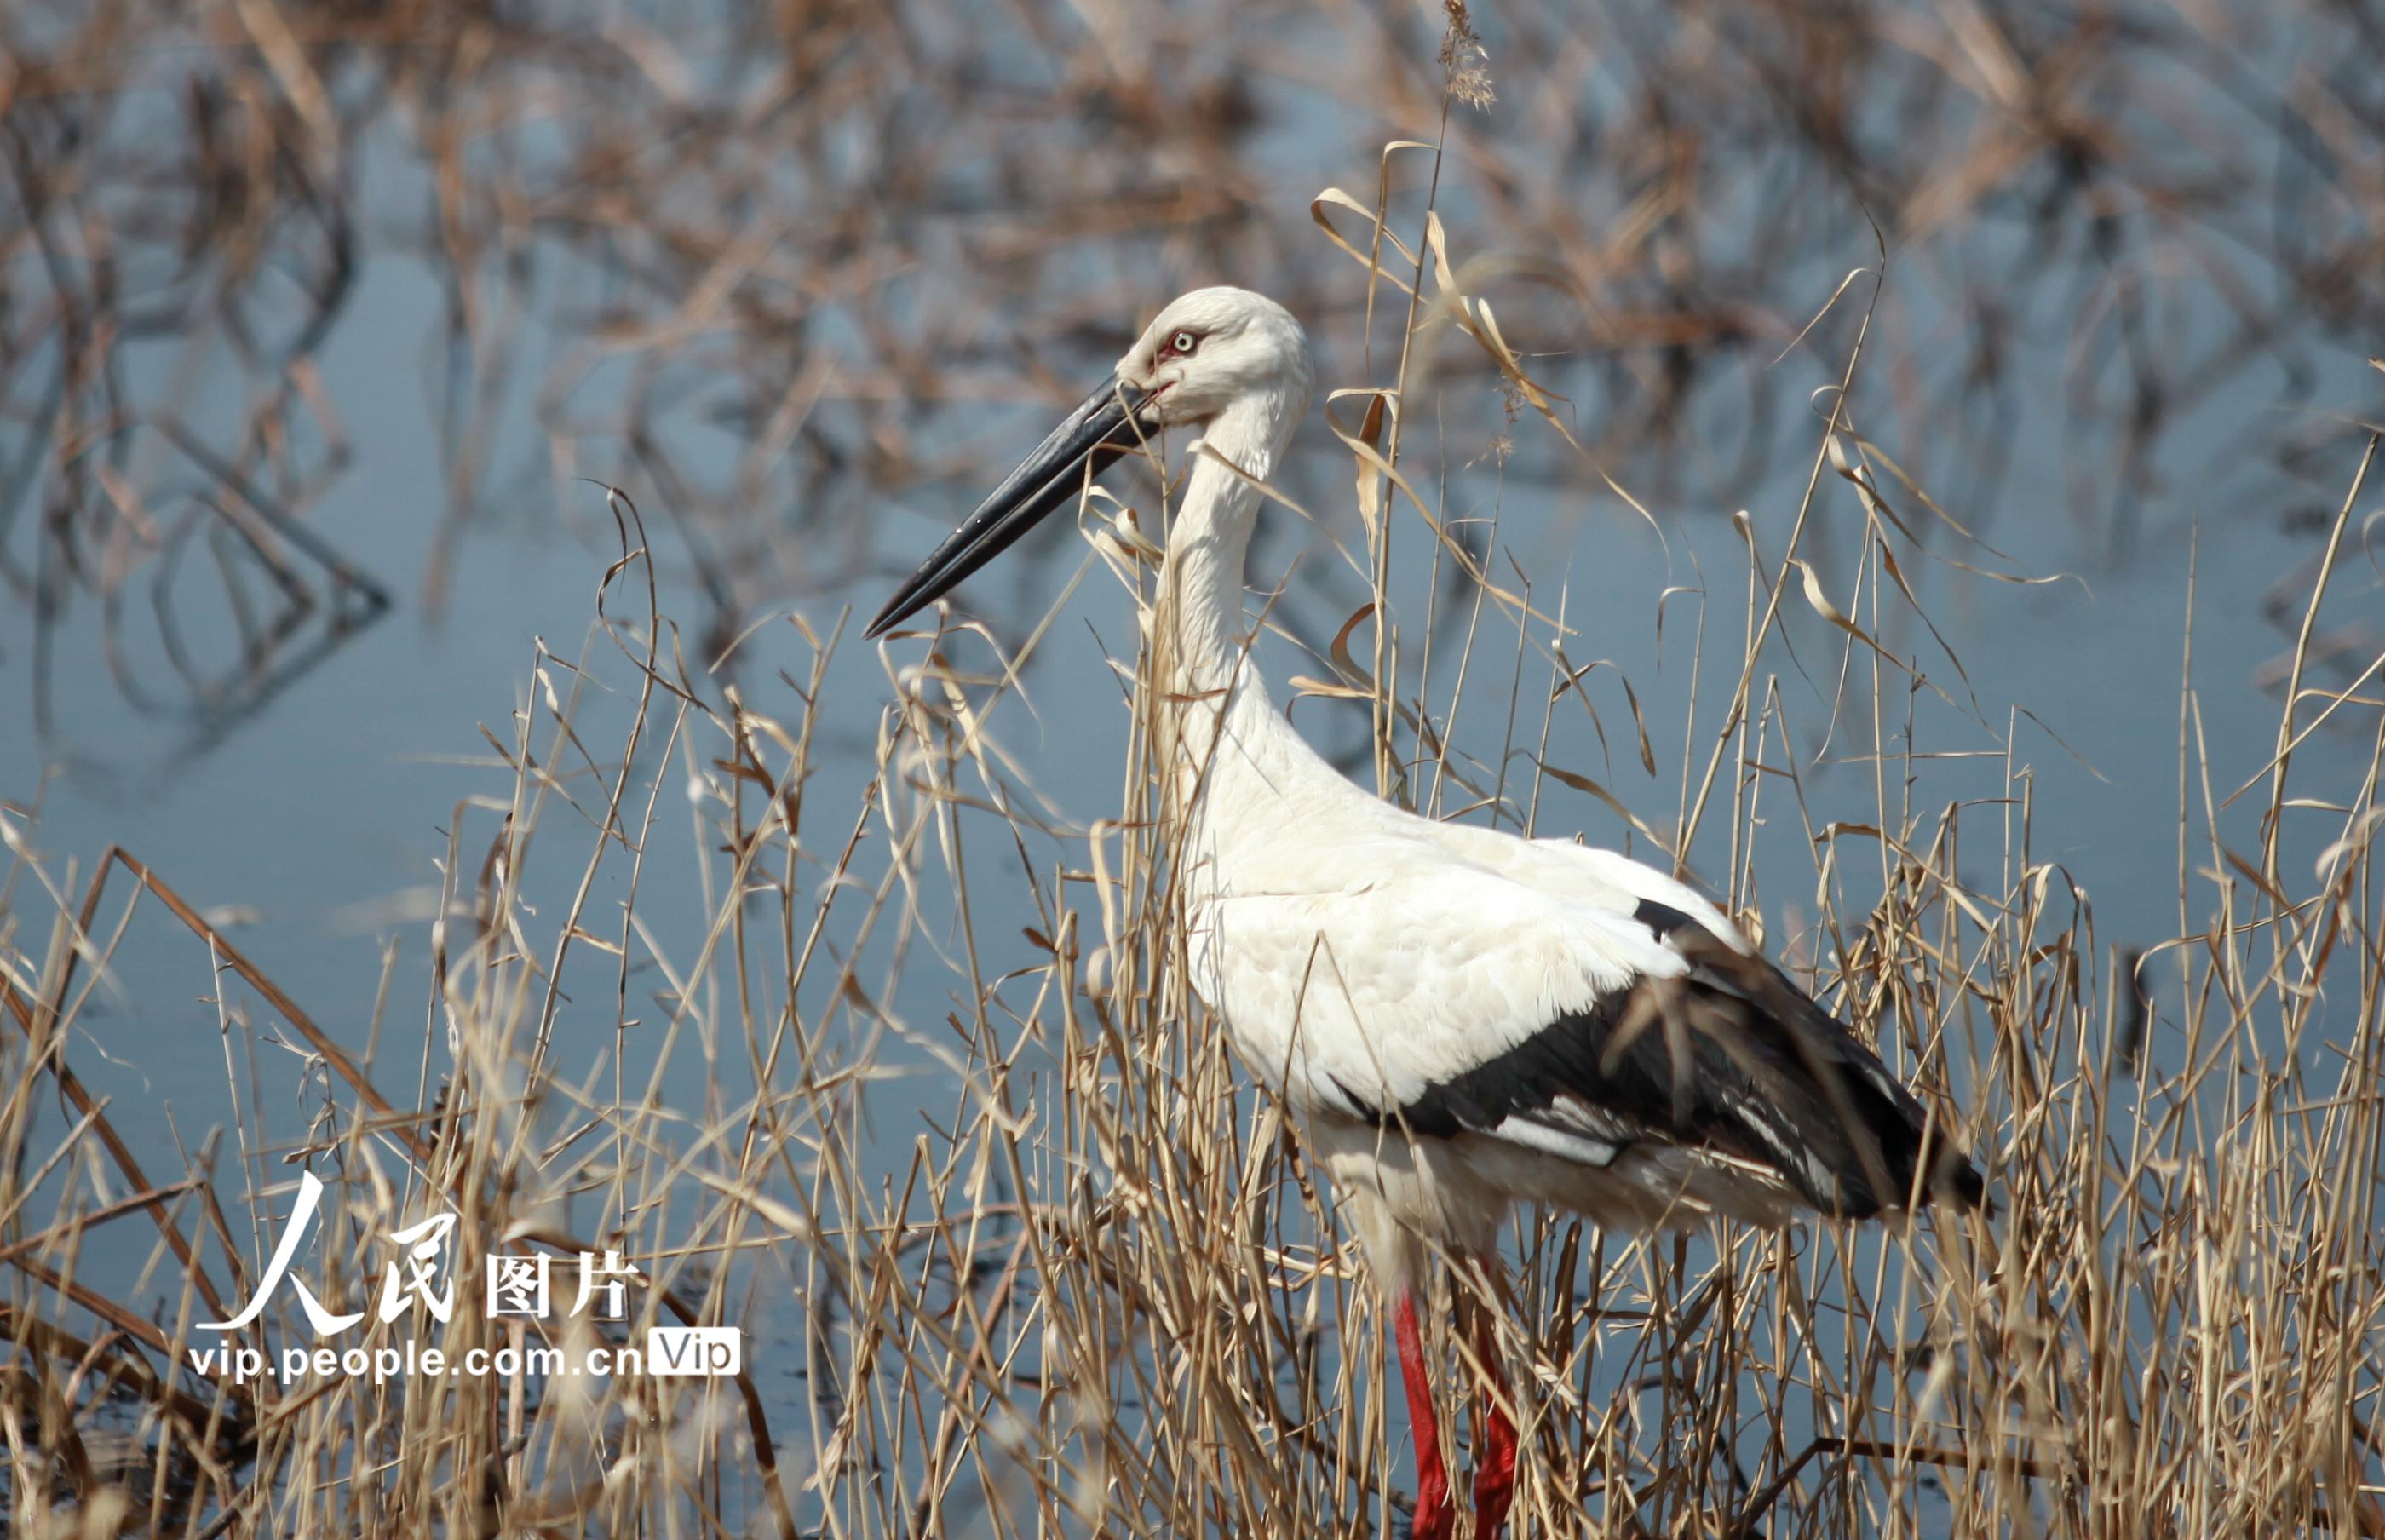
1216, 727
1201, 603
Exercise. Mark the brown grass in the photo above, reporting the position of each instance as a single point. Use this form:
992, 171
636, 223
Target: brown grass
1042, 1264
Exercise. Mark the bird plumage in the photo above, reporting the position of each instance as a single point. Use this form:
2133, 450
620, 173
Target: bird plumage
1461, 1019
1444, 982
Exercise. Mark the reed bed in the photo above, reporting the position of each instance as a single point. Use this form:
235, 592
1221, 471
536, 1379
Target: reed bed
769, 267
903, 1078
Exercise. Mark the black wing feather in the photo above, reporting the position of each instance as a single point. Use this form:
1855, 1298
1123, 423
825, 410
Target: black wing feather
1733, 1057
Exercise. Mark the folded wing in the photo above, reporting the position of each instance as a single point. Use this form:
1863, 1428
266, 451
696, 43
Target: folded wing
1578, 1010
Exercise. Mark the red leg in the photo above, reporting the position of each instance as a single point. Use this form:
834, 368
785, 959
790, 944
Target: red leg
1434, 1514
1494, 1466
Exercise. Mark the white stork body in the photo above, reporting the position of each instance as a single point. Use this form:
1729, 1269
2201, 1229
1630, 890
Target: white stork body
1428, 952
1360, 955
1460, 1018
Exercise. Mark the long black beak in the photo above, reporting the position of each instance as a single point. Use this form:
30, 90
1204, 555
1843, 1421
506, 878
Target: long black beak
1099, 431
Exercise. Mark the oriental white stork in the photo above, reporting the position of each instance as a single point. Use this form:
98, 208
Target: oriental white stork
1459, 1019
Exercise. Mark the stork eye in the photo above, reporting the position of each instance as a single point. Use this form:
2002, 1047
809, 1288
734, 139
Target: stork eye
1183, 342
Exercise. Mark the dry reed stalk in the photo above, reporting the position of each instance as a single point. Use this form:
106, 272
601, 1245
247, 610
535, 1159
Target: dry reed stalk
1092, 1289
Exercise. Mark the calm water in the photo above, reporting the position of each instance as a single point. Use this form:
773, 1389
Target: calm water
314, 823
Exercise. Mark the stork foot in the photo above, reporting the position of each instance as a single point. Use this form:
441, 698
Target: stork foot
1435, 1516
1494, 1480
1494, 1465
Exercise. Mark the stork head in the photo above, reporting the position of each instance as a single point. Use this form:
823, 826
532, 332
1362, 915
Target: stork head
1214, 349
1211, 357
